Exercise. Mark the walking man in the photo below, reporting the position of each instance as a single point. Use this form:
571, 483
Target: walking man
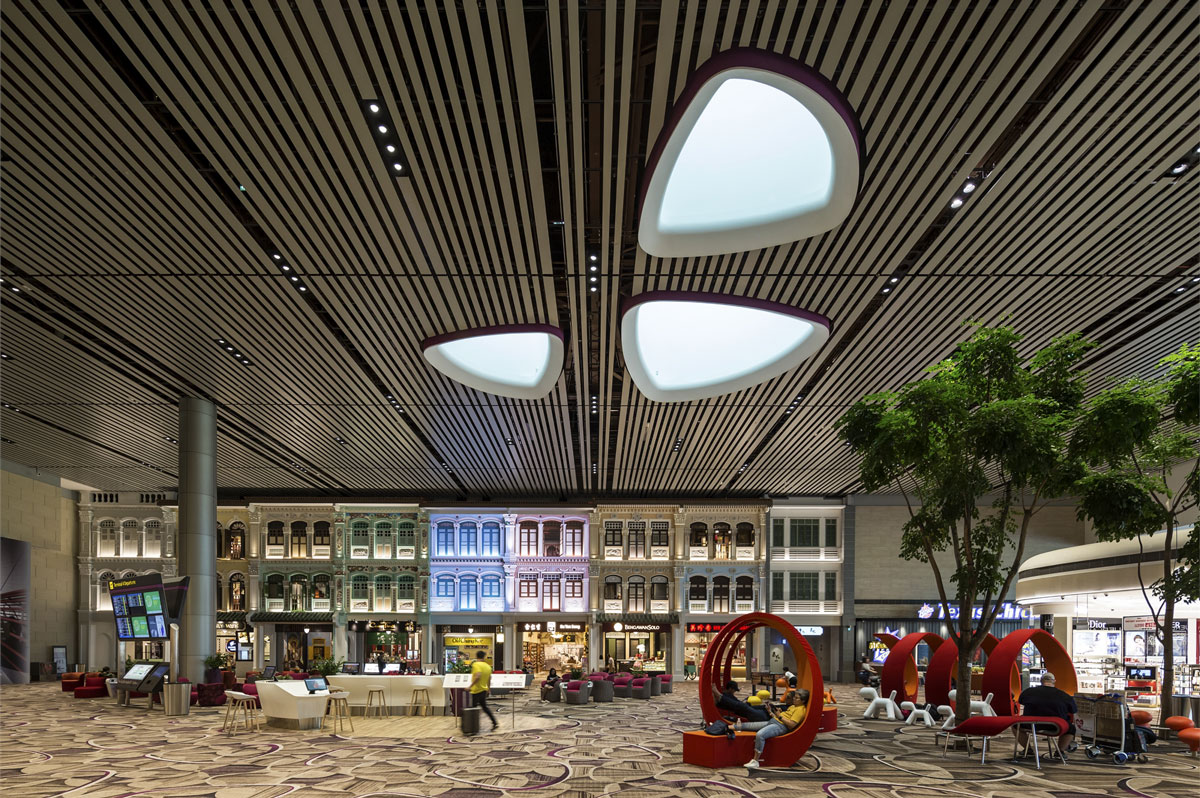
481, 680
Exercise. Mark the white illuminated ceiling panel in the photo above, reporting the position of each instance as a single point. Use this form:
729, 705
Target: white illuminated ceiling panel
521, 361
680, 346
760, 150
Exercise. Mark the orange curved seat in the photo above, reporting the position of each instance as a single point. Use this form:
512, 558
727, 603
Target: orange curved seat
1178, 723
1190, 737
1140, 717
1004, 657
900, 667
717, 668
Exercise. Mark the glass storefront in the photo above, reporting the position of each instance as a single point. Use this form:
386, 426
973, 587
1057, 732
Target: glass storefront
696, 639
561, 645
394, 640
465, 643
638, 644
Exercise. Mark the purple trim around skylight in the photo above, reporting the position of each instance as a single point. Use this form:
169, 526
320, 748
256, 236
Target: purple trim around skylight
752, 58
630, 303
499, 329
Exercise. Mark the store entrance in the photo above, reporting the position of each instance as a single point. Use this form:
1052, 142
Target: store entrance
558, 645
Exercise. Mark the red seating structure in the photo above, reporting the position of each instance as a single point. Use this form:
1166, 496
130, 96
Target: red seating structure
900, 667
665, 680
828, 720
782, 751
93, 687
1191, 738
944, 663
997, 676
72, 680
987, 727
211, 695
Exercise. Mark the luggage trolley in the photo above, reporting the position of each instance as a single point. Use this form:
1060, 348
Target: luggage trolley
1112, 729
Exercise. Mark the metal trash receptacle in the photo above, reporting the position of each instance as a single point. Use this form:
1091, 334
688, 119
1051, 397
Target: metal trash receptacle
177, 698
470, 720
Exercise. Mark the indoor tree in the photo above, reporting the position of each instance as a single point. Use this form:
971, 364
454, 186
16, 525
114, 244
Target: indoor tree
1137, 438
977, 448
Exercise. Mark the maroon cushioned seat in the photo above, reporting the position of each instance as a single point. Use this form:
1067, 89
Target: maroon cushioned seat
211, 695
250, 688
665, 680
93, 687
640, 688
72, 680
621, 687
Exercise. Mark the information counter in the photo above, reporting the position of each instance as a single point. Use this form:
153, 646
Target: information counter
290, 705
397, 689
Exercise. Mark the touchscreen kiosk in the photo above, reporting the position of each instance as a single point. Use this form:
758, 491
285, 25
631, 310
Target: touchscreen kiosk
268, 672
350, 667
391, 667
138, 672
314, 685
153, 681
371, 667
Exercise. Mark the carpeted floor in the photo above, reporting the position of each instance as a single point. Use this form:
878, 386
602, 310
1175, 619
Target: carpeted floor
52, 744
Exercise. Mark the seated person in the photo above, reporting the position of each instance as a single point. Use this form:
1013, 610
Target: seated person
1049, 701
780, 723
551, 684
731, 704
865, 671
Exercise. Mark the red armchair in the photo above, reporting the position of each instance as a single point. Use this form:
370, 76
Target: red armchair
93, 687
210, 695
72, 680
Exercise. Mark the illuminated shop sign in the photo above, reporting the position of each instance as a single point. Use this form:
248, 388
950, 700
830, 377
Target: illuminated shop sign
1145, 622
636, 627
570, 627
705, 627
1097, 624
810, 631
1008, 612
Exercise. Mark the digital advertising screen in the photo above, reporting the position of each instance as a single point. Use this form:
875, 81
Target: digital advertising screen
138, 608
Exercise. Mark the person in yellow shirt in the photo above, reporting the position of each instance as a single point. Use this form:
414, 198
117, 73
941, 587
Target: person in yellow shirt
780, 723
481, 680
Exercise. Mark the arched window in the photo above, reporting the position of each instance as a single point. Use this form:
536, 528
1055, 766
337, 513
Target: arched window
528, 539
445, 539
612, 592
723, 540
572, 545
152, 547
360, 539
720, 594
744, 590
490, 589
698, 594
299, 540
468, 593
552, 539
468, 535
383, 593
131, 539
103, 599
444, 587
699, 536
637, 594
320, 587
406, 589
275, 592
491, 539
237, 592
298, 592
321, 537
637, 540
660, 594
360, 592
383, 540
237, 541
106, 544
745, 535
275, 539
406, 539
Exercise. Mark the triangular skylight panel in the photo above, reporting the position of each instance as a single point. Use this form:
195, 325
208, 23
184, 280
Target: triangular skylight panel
680, 346
759, 150
522, 361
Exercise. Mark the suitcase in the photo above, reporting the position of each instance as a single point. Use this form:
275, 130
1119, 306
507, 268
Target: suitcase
470, 720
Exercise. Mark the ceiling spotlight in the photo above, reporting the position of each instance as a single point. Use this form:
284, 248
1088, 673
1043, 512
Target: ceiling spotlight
887, 290
593, 268
1179, 169
894, 280
5, 357
276, 255
593, 289
593, 279
592, 258
241, 188
956, 202
390, 148
1196, 279
398, 167
968, 188
374, 108
1180, 288
229, 349
220, 340
382, 128
302, 288
294, 278
286, 268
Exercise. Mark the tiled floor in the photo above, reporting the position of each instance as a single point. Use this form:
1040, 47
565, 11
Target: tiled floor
52, 744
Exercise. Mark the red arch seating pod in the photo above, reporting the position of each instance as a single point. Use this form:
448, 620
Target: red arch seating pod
786, 749
943, 664
900, 667
1004, 658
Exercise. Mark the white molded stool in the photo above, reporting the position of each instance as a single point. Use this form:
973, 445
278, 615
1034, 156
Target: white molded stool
877, 704
983, 707
915, 714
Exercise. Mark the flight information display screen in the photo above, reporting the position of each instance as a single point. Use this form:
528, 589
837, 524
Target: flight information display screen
138, 608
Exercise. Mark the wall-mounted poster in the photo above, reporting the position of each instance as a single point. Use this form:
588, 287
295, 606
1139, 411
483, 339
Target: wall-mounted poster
14, 614
58, 655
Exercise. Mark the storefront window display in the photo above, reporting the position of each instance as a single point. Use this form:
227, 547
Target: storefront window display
1096, 651
1142, 643
465, 645
643, 645
396, 641
695, 645
549, 644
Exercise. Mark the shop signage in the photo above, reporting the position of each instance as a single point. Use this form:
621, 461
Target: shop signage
570, 627
636, 627
1008, 612
1143, 622
810, 631
231, 646
705, 627
532, 627
457, 640
1098, 624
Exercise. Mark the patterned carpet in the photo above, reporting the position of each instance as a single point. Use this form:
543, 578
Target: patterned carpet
52, 745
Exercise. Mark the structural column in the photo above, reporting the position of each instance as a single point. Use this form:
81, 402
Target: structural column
197, 532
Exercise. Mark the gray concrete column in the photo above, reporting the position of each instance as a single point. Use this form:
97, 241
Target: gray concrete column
197, 531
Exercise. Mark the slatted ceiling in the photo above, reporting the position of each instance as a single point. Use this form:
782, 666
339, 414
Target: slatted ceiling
467, 240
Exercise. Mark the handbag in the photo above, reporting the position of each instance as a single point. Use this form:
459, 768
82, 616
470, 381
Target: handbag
717, 728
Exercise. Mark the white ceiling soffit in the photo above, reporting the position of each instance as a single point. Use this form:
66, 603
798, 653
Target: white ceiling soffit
521, 361
681, 345
759, 150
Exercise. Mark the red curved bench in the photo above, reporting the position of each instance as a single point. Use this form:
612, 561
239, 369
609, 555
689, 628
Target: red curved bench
900, 667
997, 678
988, 726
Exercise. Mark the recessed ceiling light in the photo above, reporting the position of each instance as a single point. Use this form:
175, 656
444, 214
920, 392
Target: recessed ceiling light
229, 349
521, 361
593, 268
1196, 279
276, 256
1179, 169
760, 150
294, 278
302, 288
593, 279
1180, 288
741, 342
286, 268
968, 188
5, 357
956, 202
382, 128
886, 290
390, 148
894, 280
593, 289
374, 108
592, 258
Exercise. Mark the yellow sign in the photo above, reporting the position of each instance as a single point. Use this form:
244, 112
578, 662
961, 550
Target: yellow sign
468, 642
113, 584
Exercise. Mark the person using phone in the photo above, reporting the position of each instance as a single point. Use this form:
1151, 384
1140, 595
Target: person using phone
781, 722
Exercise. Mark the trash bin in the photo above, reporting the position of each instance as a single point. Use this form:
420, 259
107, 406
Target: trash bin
470, 720
177, 698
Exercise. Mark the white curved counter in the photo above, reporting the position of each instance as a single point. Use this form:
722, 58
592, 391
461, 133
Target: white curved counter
289, 704
397, 689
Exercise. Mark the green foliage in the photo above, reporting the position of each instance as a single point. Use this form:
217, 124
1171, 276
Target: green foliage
326, 667
216, 660
461, 665
974, 446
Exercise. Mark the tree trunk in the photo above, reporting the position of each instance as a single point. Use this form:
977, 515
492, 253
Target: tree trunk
962, 682
1167, 686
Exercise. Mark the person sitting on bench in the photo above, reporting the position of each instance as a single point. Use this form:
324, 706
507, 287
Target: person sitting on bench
731, 704
780, 723
1049, 701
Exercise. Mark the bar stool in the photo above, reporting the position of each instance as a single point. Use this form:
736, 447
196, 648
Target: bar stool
419, 701
382, 707
239, 702
339, 708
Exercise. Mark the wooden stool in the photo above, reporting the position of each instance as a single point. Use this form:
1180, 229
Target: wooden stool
239, 702
382, 707
419, 701
339, 708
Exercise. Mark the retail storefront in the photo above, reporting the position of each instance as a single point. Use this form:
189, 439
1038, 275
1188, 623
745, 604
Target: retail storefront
235, 639
644, 644
698, 635
297, 638
562, 645
396, 639
465, 641
931, 617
